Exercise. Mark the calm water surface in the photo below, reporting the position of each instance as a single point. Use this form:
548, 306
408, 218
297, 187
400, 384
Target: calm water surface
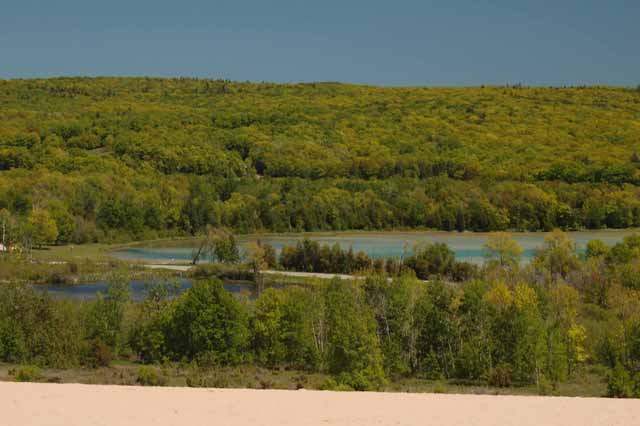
466, 246
87, 291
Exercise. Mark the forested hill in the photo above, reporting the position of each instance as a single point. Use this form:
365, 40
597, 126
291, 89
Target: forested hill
116, 158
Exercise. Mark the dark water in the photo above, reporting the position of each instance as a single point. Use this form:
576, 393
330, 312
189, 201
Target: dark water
87, 291
466, 246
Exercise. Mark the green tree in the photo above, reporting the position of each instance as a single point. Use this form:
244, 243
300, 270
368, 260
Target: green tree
152, 329
504, 336
530, 336
596, 248
558, 255
626, 250
304, 327
65, 223
24, 339
566, 336
432, 259
270, 259
256, 257
619, 383
437, 330
106, 318
209, 321
40, 229
8, 231
394, 306
474, 358
267, 328
354, 355
217, 243
226, 249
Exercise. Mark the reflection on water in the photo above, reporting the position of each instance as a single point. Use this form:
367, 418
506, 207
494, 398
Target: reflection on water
466, 246
89, 291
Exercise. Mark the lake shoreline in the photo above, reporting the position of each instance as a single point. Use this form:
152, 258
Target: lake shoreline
409, 232
467, 246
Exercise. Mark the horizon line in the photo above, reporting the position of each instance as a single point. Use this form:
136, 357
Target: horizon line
309, 82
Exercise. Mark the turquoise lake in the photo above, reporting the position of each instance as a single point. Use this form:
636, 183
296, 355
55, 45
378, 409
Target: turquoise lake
466, 246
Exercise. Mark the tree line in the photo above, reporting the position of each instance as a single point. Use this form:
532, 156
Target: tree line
424, 261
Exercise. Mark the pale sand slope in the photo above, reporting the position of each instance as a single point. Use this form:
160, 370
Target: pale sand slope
86, 405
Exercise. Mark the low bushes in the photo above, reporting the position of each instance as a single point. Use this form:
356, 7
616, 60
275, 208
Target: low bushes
28, 373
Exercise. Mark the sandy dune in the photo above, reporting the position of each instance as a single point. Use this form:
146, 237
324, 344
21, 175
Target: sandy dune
86, 405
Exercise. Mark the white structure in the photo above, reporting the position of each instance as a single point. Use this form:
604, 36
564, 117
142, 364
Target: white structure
3, 248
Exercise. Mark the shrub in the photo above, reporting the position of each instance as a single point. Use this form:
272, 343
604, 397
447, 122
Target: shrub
301, 381
58, 278
105, 317
28, 373
265, 382
439, 387
358, 380
37, 329
331, 385
148, 376
544, 386
619, 382
500, 376
433, 260
209, 378
73, 268
342, 387
99, 353
222, 271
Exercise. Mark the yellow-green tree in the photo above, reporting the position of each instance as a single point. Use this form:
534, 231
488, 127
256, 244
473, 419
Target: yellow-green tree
563, 304
558, 255
503, 250
41, 229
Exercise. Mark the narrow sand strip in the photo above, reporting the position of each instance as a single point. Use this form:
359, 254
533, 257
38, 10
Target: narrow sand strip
312, 275
24, 404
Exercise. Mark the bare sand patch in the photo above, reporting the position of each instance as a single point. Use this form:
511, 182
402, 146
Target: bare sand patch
27, 404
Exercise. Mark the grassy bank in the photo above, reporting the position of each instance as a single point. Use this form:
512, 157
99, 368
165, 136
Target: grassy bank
588, 383
65, 272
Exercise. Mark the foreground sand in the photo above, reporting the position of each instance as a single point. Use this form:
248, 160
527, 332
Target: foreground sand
25, 404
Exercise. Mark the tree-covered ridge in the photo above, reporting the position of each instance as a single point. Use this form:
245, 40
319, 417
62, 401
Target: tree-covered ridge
116, 157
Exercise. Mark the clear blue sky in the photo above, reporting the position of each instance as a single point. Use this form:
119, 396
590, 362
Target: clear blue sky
393, 42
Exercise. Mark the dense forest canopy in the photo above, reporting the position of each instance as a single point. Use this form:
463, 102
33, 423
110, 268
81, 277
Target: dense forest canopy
121, 158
